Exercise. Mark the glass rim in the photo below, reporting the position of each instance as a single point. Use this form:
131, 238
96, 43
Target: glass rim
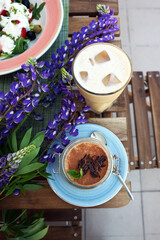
102, 94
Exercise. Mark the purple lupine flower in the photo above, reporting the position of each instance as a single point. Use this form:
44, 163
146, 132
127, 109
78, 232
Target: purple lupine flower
74, 131
25, 67
1, 95
40, 64
65, 139
67, 126
57, 148
52, 134
16, 191
9, 164
9, 115
51, 124
45, 88
14, 87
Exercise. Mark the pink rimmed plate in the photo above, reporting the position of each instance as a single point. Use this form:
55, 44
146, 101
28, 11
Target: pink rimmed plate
51, 22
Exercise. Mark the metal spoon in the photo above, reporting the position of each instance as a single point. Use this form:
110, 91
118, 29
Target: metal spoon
101, 138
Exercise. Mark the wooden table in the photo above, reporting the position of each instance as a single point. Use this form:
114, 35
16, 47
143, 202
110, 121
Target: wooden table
115, 119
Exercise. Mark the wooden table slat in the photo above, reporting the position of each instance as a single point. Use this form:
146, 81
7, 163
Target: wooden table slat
65, 233
76, 23
88, 7
132, 164
154, 90
141, 121
38, 200
117, 125
54, 215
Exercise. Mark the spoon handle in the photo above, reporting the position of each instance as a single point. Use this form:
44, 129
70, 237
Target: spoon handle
127, 189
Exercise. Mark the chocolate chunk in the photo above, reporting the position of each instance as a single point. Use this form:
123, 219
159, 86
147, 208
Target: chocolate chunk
95, 174
93, 163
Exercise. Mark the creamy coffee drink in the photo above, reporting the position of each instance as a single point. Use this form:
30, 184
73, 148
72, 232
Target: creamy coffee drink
101, 72
93, 161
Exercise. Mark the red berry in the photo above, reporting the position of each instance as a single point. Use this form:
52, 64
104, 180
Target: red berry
16, 21
23, 32
30, 20
4, 13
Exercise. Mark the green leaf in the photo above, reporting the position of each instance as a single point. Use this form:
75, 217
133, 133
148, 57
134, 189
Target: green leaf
19, 216
20, 186
32, 187
81, 172
29, 177
38, 235
26, 139
3, 228
27, 159
36, 11
35, 228
38, 139
20, 45
73, 173
4, 213
14, 142
11, 190
46, 175
30, 168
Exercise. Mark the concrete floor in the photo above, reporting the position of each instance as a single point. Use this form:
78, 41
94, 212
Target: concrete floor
140, 219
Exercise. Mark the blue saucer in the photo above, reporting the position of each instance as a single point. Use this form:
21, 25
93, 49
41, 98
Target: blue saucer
101, 194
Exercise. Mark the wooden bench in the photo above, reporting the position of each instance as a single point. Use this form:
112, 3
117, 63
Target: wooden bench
145, 97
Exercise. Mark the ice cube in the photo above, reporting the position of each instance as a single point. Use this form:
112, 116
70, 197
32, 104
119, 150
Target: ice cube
84, 75
102, 57
110, 80
91, 61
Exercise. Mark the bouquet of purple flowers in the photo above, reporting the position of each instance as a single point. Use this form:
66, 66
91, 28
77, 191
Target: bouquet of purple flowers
38, 84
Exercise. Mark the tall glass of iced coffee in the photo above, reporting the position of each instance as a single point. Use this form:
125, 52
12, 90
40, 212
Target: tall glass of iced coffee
101, 72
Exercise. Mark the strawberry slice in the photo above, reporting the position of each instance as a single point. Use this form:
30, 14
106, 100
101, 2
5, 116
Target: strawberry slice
16, 21
23, 32
4, 13
0, 48
30, 20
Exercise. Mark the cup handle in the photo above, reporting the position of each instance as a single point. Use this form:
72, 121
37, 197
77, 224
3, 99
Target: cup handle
59, 169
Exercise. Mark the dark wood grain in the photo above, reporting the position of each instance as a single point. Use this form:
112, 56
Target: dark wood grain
46, 199
64, 233
141, 121
54, 215
154, 90
88, 7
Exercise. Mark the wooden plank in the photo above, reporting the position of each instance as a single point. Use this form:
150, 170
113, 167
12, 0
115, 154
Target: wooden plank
46, 199
54, 215
116, 42
88, 7
154, 90
76, 23
141, 121
129, 133
117, 125
65, 233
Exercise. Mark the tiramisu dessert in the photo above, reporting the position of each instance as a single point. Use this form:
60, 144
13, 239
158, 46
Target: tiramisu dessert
86, 164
